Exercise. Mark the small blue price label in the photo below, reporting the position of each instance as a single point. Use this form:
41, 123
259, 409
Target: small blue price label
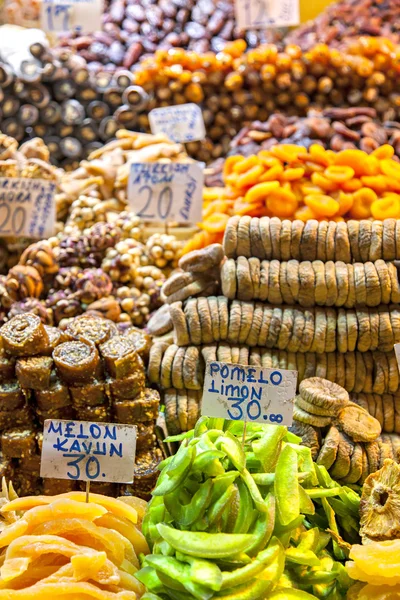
240, 393
86, 451
27, 207
181, 123
165, 192
60, 16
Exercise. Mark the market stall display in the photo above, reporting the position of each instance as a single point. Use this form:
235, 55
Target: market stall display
254, 519
88, 371
64, 546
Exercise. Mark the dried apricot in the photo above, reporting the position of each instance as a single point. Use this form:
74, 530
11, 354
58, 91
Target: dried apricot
322, 206
339, 173
229, 163
260, 191
305, 214
272, 174
323, 182
282, 203
245, 164
346, 202
292, 174
391, 168
365, 195
385, 151
386, 208
215, 223
250, 177
352, 185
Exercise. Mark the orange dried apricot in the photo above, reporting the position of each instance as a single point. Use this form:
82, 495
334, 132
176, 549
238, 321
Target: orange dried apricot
250, 177
389, 167
359, 210
260, 191
322, 206
339, 173
215, 223
386, 208
346, 202
243, 165
359, 161
282, 203
304, 213
365, 195
293, 174
352, 185
273, 173
323, 182
217, 206
229, 163
385, 151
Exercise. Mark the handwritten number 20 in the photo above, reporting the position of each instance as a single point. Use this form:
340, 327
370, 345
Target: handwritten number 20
18, 219
164, 203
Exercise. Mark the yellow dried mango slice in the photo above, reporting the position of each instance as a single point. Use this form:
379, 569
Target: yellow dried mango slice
34, 546
88, 534
64, 508
12, 532
14, 567
98, 568
126, 529
113, 505
65, 591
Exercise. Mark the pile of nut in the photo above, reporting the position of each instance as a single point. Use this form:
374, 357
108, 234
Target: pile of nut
88, 371
333, 294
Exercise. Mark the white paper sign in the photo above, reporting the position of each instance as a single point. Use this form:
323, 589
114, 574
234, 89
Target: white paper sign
66, 15
85, 451
27, 207
240, 393
181, 123
167, 191
261, 14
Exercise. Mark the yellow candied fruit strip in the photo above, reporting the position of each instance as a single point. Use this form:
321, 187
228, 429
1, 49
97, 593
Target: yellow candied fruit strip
118, 508
65, 591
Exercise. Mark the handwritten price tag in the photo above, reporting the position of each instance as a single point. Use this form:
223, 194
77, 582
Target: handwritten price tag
240, 393
84, 451
167, 191
260, 14
27, 207
66, 15
181, 123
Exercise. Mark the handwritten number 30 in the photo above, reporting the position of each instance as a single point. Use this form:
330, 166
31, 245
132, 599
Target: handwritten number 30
164, 203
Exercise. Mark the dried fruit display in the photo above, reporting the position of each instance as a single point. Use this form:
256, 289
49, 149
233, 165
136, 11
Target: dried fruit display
61, 545
348, 19
379, 506
333, 128
253, 518
90, 372
236, 87
311, 283
374, 563
291, 182
131, 31
326, 316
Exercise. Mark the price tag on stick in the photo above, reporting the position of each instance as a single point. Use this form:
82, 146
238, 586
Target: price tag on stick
240, 393
27, 207
181, 123
261, 14
65, 15
86, 451
167, 192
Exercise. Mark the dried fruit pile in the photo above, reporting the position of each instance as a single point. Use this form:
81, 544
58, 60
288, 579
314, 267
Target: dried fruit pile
291, 182
63, 547
236, 87
343, 436
333, 128
131, 31
88, 371
375, 563
348, 19
327, 316
256, 519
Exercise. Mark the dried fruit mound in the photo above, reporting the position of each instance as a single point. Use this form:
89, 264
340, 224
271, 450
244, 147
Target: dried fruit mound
291, 182
62, 547
376, 562
247, 520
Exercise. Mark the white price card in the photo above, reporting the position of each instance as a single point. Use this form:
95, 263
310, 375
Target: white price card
167, 191
261, 14
85, 451
181, 123
61, 16
27, 207
240, 393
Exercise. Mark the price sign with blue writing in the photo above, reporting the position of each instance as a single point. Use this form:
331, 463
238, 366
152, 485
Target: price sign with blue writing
181, 123
60, 16
27, 207
85, 451
261, 14
240, 393
167, 191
